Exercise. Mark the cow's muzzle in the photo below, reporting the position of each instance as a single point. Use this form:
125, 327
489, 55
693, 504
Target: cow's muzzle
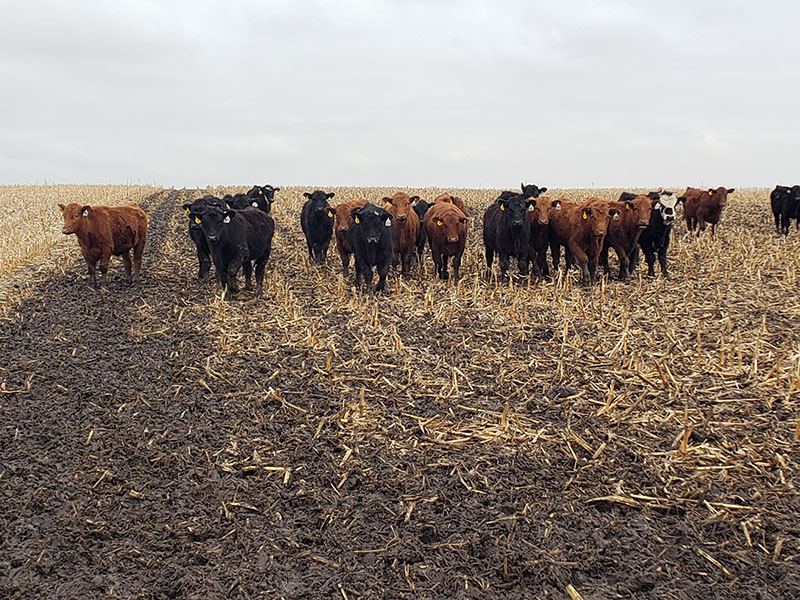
452, 239
66, 230
402, 218
372, 240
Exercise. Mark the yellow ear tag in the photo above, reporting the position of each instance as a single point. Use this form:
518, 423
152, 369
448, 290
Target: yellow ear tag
61, 209
710, 193
502, 207
330, 214
627, 207
585, 215
197, 220
227, 205
356, 219
439, 222
387, 204
187, 211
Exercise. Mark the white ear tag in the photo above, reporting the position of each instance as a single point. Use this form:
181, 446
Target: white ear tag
226, 220
558, 206
531, 208
657, 205
254, 204
388, 222
85, 213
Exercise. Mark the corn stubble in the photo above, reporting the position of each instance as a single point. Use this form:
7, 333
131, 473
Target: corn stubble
683, 395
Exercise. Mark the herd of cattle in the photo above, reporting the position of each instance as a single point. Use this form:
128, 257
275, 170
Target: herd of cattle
235, 232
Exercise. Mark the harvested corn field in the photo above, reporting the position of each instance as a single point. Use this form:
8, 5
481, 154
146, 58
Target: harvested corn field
438, 440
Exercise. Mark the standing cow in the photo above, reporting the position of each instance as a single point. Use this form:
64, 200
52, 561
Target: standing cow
263, 196
406, 228
506, 231
539, 219
371, 236
103, 231
655, 239
420, 207
785, 203
316, 219
446, 226
237, 239
623, 233
531, 190
704, 206
581, 228
196, 231
343, 219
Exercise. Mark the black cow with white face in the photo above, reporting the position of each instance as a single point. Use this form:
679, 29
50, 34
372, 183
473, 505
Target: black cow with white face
316, 219
506, 231
237, 239
196, 231
264, 196
785, 203
371, 236
654, 240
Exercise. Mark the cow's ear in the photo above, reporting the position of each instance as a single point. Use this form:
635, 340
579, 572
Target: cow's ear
414, 200
61, 207
276, 189
387, 200
463, 220
331, 214
542, 190
556, 204
710, 191
614, 214
187, 208
628, 205
307, 194
656, 205
227, 215
586, 212
730, 191
530, 204
354, 213
502, 204
330, 194
85, 210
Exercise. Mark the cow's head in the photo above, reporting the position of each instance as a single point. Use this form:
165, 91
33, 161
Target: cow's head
213, 220
319, 202
399, 206
542, 209
453, 224
719, 196
75, 217
514, 211
372, 222
598, 216
264, 195
641, 207
194, 208
665, 205
343, 215
532, 191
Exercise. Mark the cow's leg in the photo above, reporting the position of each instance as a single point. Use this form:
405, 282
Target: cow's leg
604, 261
105, 260
232, 287
358, 268
247, 268
489, 260
522, 262
367, 273
205, 264
456, 265
505, 261
91, 269
126, 261
555, 254
261, 264
624, 263
576, 253
633, 258
383, 269
542, 261
405, 258
650, 257
138, 251
345, 263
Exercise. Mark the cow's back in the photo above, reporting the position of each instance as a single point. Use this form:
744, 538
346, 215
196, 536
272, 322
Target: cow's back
122, 226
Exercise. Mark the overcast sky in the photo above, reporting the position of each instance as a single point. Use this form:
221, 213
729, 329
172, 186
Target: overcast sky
605, 93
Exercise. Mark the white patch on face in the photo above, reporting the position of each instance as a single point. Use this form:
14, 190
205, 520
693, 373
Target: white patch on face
226, 220
388, 222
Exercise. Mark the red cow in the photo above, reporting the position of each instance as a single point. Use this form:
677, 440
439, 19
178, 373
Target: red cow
341, 223
446, 226
539, 218
581, 228
106, 230
623, 233
406, 227
704, 206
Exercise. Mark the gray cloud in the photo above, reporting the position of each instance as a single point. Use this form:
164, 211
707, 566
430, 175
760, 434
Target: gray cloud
399, 93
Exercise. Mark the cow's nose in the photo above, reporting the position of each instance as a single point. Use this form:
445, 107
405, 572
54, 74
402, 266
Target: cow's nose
402, 217
643, 224
517, 224
543, 222
66, 230
452, 238
372, 240
212, 238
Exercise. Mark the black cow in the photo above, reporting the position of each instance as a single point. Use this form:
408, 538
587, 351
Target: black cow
654, 240
264, 195
629, 196
316, 219
506, 230
235, 238
371, 236
785, 207
531, 191
421, 207
196, 231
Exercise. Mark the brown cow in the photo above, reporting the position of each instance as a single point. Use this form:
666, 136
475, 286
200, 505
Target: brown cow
623, 233
539, 218
452, 200
341, 223
446, 226
704, 206
106, 230
581, 228
406, 227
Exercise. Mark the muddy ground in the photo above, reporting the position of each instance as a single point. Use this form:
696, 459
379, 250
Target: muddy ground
438, 441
